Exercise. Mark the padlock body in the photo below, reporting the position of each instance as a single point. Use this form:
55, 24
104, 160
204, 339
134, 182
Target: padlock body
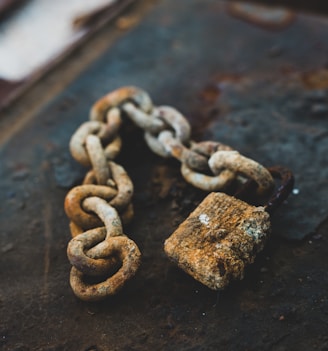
218, 239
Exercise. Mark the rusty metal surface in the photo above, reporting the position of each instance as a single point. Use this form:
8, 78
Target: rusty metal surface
263, 92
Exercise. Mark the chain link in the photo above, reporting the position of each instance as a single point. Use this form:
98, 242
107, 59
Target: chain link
105, 247
98, 207
235, 162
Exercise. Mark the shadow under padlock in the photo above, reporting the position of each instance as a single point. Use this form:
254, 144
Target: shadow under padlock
224, 234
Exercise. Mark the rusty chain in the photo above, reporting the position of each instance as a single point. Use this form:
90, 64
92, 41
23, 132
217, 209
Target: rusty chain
104, 258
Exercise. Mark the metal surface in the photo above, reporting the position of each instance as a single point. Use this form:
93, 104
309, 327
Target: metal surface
262, 92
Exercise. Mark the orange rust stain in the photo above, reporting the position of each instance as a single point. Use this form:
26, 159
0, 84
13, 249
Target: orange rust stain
210, 93
317, 79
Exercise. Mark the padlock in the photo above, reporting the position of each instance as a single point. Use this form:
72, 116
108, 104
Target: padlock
224, 234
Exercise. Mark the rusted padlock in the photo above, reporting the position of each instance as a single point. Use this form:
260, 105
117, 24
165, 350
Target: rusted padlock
224, 234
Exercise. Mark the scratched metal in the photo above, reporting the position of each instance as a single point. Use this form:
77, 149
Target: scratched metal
259, 90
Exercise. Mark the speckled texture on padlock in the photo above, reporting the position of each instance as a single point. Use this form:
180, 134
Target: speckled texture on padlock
218, 239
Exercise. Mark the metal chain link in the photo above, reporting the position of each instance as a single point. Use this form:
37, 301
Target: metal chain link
98, 207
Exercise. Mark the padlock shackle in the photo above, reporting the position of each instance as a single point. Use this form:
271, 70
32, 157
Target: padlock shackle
279, 195
282, 192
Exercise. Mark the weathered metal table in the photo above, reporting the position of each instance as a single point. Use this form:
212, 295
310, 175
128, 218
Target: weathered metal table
257, 87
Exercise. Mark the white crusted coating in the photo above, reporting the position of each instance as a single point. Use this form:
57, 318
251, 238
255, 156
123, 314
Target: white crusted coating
204, 219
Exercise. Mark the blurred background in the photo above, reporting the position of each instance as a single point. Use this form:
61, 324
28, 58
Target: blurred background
37, 34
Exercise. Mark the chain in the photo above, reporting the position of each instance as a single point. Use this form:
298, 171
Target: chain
103, 257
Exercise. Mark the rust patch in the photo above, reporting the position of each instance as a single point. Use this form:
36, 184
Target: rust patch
209, 99
127, 22
210, 93
317, 79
